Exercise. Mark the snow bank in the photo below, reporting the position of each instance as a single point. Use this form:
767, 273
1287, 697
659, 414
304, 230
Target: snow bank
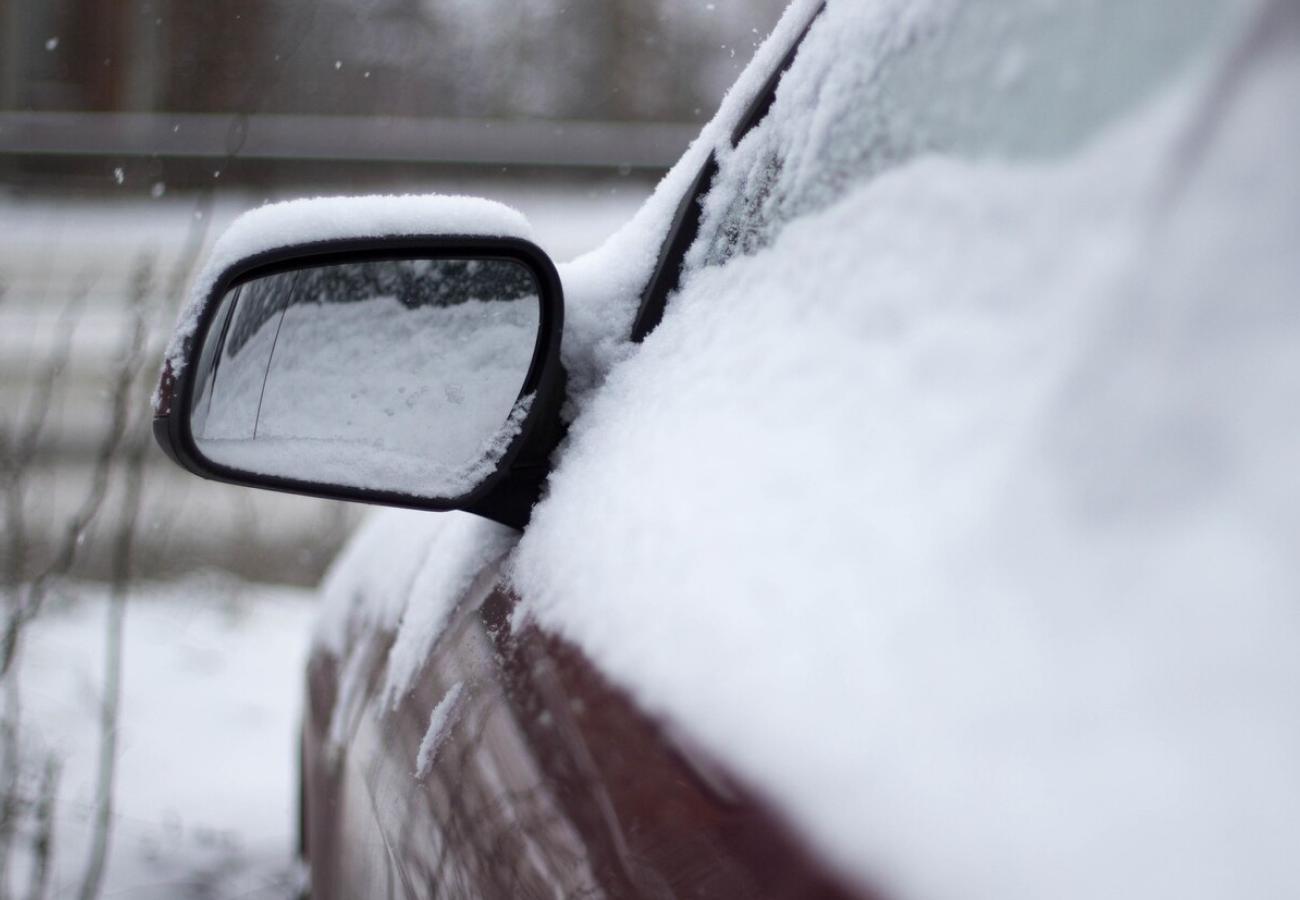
961, 519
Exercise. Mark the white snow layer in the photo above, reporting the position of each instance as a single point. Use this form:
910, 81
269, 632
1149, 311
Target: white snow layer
207, 738
401, 559
603, 288
402, 574
962, 520
328, 218
443, 716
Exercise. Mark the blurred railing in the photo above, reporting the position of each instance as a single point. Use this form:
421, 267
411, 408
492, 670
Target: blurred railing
637, 145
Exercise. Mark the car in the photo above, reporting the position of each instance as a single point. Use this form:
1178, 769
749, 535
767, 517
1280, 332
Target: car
902, 505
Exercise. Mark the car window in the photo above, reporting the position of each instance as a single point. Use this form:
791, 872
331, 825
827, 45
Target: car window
1009, 79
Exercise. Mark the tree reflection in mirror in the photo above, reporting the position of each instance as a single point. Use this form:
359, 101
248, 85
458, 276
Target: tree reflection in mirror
400, 375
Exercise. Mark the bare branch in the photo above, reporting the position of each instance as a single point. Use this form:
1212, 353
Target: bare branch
43, 831
132, 442
17, 451
10, 776
27, 439
110, 448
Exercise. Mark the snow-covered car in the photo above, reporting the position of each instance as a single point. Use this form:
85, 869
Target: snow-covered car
903, 504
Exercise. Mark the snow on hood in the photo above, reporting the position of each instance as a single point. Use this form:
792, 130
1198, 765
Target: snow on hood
961, 521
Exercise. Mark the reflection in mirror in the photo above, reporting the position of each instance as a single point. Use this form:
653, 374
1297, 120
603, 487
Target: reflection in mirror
399, 375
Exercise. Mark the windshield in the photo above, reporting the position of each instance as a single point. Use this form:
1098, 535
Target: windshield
1007, 79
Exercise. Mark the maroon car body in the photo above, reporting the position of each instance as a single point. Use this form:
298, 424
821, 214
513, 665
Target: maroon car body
551, 783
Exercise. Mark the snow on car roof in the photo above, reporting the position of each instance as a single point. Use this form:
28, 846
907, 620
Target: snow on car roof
960, 519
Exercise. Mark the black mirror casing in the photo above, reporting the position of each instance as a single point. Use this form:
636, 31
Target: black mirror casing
507, 494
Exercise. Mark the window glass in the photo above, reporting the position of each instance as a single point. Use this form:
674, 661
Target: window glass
1010, 79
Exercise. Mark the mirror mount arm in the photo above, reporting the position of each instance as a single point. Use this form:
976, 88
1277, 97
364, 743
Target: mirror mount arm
513, 507
511, 501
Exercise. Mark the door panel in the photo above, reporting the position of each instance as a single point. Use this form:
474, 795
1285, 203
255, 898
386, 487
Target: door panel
539, 779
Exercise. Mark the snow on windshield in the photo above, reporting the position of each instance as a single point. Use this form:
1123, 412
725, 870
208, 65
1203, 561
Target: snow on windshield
960, 518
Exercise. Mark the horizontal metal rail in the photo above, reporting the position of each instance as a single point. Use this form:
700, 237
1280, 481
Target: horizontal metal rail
637, 145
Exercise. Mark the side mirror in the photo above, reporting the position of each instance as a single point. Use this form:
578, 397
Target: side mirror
419, 371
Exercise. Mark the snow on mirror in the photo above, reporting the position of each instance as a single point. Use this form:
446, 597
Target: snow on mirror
396, 375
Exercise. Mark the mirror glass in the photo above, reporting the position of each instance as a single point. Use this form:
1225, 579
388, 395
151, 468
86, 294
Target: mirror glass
400, 375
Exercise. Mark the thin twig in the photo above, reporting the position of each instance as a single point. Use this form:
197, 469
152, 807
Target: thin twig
10, 774
107, 456
17, 452
27, 443
43, 833
123, 551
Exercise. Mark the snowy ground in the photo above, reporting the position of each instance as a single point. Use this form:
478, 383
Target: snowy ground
208, 738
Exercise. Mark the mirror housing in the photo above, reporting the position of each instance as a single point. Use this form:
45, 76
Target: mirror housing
507, 482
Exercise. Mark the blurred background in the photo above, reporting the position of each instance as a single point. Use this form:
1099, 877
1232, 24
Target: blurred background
131, 133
